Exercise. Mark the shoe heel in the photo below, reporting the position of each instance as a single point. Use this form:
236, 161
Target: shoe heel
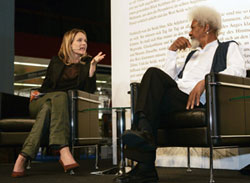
69, 167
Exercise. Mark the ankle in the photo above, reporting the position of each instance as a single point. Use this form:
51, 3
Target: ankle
22, 158
20, 163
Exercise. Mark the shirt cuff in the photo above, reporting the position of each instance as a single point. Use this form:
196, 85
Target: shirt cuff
171, 55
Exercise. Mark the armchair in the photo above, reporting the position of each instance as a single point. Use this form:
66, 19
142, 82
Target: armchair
84, 124
224, 122
15, 122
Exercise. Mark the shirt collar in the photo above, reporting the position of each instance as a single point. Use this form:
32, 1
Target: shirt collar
211, 44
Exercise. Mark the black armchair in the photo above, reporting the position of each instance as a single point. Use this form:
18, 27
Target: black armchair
84, 123
225, 122
15, 122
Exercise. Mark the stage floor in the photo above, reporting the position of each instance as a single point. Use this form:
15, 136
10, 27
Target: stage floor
52, 172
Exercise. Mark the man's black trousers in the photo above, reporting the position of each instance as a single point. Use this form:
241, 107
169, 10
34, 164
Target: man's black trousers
158, 95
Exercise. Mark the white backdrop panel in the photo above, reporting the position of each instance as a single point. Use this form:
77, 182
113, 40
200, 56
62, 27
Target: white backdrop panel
142, 31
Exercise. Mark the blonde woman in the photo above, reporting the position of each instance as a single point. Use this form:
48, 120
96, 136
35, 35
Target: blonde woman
71, 69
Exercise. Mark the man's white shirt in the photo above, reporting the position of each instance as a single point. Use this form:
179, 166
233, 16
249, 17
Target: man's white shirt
200, 64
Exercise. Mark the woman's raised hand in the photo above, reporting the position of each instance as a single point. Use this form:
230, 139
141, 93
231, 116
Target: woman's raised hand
98, 58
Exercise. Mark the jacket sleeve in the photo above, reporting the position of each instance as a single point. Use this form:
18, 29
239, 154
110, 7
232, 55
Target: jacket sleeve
47, 82
91, 84
90, 81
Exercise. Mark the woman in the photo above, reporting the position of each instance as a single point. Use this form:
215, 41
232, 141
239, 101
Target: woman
71, 69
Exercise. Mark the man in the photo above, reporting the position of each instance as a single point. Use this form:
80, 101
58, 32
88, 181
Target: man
179, 89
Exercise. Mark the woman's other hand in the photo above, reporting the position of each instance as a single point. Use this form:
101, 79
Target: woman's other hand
34, 94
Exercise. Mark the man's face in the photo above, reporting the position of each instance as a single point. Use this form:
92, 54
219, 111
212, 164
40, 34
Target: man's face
196, 34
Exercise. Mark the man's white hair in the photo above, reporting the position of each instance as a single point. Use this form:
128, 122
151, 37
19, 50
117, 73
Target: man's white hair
206, 15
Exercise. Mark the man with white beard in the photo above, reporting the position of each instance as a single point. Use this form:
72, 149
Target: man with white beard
178, 89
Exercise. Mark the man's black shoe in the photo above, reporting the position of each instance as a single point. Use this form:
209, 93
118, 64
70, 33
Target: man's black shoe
137, 175
124, 177
139, 139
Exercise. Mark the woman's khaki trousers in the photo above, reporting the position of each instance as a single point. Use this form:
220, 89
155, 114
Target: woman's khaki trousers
52, 118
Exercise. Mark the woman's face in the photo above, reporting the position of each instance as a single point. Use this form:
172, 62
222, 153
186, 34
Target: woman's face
79, 44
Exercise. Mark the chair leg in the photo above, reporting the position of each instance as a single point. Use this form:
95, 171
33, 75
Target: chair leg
73, 150
211, 165
28, 164
188, 160
96, 156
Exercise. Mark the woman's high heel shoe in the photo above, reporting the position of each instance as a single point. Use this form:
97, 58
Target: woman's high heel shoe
69, 167
18, 174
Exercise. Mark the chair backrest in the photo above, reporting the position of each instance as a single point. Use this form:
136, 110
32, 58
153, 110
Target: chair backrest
15, 122
228, 109
13, 106
134, 87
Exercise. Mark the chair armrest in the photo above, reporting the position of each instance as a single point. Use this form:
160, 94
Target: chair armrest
222, 79
88, 97
84, 96
13, 106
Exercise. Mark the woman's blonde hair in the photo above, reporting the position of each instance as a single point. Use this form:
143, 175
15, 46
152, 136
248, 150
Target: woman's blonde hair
65, 53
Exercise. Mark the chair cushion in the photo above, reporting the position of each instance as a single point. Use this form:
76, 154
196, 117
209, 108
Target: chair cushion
16, 124
183, 137
185, 119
